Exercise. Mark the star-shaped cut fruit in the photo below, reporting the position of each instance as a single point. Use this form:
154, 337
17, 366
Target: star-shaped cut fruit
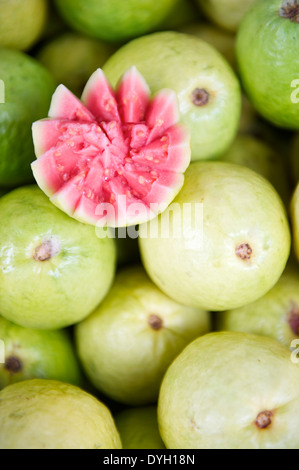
114, 158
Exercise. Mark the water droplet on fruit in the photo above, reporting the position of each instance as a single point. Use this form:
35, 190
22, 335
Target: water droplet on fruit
264, 419
200, 97
13, 364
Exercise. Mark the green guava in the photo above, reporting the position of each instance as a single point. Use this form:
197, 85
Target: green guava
138, 428
260, 157
114, 20
53, 270
128, 342
71, 58
226, 13
22, 22
48, 414
275, 315
294, 209
37, 354
231, 391
222, 40
26, 88
267, 52
207, 88
222, 243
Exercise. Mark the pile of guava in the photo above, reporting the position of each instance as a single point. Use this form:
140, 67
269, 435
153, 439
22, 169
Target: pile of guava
149, 225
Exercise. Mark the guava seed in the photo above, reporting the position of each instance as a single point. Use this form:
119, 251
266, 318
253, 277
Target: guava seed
155, 322
244, 251
290, 10
293, 318
13, 364
264, 419
47, 250
200, 97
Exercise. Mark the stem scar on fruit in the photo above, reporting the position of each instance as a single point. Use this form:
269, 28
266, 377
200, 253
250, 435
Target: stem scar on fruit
264, 419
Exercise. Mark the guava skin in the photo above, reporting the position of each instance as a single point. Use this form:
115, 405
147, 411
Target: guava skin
53, 270
48, 414
128, 342
230, 391
233, 254
260, 157
294, 209
33, 354
275, 315
187, 65
227, 14
28, 88
267, 52
138, 428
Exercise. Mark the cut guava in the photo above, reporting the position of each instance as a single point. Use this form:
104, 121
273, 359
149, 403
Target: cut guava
116, 160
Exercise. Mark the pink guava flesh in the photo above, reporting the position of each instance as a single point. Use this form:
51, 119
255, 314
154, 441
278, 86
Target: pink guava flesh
114, 158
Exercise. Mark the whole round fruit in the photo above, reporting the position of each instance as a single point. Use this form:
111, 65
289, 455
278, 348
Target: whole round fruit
267, 45
27, 88
114, 20
33, 354
228, 238
48, 414
53, 270
138, 428
231, 391
22, 22
129, 341
226, 13
207, 88
71, 58
275, 315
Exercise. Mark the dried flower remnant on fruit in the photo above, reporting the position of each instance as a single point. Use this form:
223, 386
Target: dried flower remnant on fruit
264, 419
155, 322
290, 10
46, 250
293, 318
244, 251
13, 365
200, 97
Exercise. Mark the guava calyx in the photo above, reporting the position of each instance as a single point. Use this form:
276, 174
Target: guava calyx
293, 318
155, 322
200, 97
13, 364
115, 159
49, 248
264, 419
290, 10
244, 251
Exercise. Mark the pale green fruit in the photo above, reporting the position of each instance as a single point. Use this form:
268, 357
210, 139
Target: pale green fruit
138, 428
275, 315
230, 240
222, 40
231, 391
260, 157
53, 270
207, 88
129, 341
48, 414
267, 53
37, 354
72, 58
226, 13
